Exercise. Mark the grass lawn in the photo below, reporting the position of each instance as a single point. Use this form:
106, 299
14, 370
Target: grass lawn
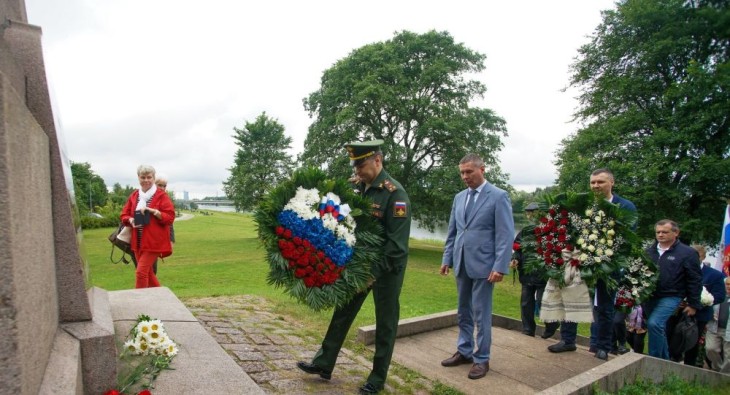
220, 254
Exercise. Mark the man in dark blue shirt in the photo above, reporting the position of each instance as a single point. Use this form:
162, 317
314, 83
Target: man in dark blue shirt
680, 277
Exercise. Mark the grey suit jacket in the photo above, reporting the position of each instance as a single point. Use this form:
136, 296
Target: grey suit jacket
483, 242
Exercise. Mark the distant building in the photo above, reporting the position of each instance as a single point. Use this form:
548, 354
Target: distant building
186, 195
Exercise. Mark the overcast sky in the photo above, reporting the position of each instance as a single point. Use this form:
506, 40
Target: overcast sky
163, 82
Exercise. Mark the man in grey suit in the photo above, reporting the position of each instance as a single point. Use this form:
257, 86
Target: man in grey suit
478, 247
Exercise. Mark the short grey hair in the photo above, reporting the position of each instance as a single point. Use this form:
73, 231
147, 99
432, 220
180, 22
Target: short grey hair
145, 169
472, 158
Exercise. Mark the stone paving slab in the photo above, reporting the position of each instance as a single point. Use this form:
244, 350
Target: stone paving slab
519, 364
267, 346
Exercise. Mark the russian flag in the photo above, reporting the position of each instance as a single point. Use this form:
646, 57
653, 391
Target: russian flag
723, 256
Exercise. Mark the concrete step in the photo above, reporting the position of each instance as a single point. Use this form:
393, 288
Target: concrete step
201, 366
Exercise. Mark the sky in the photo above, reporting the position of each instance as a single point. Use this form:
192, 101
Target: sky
164, 82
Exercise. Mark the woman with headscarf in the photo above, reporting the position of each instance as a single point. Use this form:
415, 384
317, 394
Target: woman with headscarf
151, 213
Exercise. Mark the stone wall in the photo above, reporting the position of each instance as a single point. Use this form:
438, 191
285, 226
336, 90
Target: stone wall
45, 310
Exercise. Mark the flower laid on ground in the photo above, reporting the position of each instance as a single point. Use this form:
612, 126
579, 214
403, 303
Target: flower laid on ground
706, 298
147, 351
637, 283
320, 239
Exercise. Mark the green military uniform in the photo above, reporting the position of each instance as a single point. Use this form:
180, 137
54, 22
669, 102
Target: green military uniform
391, 207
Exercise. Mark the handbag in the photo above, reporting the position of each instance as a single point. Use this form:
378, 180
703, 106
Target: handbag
121, 238
683, 335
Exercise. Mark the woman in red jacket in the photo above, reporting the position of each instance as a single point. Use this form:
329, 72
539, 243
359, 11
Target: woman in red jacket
150, 212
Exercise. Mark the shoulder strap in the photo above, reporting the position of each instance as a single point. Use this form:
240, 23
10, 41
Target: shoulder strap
123, 258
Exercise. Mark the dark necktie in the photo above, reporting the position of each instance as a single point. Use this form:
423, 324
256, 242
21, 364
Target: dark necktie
723, 314
469, 203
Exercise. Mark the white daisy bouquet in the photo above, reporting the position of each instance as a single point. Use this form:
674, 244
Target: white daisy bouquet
149, 338
147, 351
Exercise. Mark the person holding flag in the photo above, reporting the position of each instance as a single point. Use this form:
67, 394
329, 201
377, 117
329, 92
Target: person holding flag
723, 257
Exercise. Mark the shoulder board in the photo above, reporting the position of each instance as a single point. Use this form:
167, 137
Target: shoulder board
389, 186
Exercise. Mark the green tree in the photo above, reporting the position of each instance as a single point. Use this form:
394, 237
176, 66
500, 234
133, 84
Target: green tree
119, 194
413, 92
261, 161
655, 105
89, 188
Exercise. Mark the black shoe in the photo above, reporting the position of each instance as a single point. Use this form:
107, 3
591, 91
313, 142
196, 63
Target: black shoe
314, 369
600, 354
622, 350
528, 333
592, 349
368, 389
561, 347
547, 334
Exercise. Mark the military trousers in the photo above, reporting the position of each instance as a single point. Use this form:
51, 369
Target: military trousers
386, 294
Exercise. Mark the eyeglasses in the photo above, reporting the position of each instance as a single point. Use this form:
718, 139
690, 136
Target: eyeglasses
162, 185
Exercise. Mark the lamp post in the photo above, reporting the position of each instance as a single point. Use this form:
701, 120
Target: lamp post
91, 210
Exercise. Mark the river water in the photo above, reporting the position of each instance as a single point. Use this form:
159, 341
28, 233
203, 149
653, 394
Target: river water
416, 231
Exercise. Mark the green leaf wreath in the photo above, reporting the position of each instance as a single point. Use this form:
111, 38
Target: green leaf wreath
583, 231
318, 267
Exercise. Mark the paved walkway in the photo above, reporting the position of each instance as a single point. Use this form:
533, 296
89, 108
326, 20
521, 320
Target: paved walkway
519, 364
267, 346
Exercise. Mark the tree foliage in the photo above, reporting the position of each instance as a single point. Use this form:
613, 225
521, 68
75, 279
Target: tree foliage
119, 194
261, 161
655, 101
89, 188
412, 91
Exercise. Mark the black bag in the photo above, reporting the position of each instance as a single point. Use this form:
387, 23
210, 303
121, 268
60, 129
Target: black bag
120, 238
684, 335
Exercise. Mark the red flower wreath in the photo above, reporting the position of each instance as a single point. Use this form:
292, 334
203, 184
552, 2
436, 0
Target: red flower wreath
552, 238
308, 263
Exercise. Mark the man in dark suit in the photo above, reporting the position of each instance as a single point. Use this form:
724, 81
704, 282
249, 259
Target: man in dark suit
391, 207
478, 247
602, 328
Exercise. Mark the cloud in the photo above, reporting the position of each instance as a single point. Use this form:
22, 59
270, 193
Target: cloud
164, 82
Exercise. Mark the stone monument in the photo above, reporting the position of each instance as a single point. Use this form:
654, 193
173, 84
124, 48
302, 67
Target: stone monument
56, 336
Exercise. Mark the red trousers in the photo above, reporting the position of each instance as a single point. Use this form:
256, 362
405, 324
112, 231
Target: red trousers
145, 276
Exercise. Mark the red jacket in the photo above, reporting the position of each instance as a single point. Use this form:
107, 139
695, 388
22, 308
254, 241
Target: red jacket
156, 234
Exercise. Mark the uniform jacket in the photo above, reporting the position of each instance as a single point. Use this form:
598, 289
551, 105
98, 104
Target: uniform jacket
679, 273
156, 234
483, 242
714, 281
392, 208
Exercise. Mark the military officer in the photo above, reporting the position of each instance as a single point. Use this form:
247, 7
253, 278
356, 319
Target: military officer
391, 207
